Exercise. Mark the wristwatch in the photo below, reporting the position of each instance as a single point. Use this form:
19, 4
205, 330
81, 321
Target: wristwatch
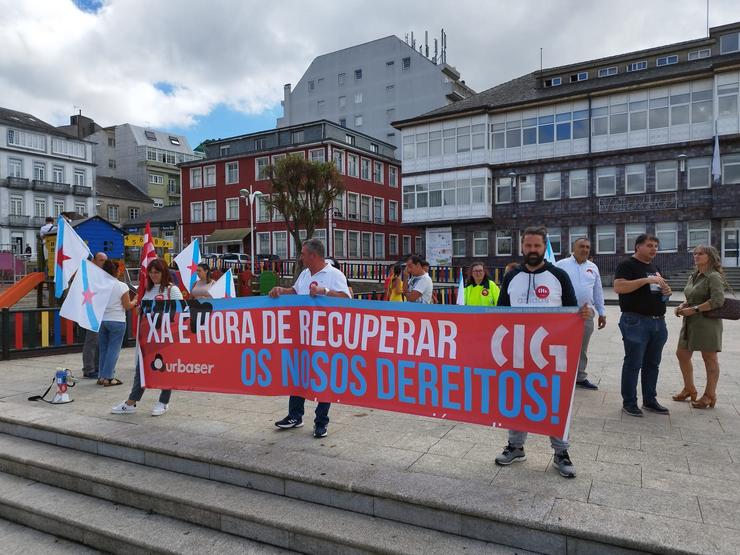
696, 308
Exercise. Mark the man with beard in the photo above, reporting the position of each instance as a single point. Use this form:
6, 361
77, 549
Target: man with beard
538, 283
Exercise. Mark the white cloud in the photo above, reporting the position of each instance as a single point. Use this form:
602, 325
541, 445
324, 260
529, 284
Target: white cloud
240, 53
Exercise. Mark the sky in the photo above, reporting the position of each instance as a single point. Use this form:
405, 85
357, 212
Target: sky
217, 69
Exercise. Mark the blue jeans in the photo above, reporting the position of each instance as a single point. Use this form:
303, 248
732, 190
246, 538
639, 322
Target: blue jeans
137, 391
295, 410
643, 339
110, 340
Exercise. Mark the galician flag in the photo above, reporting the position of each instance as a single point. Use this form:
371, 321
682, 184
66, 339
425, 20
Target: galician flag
187, 262
224, 287
461, 290
147, 255
70, 251
549, 256
88, 296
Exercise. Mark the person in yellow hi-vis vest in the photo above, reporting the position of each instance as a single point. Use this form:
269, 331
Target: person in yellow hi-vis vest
480, 289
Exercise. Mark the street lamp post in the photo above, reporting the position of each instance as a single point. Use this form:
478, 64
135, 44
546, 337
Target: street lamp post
249, 196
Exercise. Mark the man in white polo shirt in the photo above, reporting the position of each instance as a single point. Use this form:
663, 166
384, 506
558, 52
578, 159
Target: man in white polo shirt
318, 278
586, 280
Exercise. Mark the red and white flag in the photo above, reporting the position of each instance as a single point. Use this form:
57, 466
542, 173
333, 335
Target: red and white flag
147, 255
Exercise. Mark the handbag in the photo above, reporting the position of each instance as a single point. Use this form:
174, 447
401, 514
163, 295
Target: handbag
730, 309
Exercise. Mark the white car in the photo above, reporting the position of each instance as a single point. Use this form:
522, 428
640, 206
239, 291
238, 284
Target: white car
236, 257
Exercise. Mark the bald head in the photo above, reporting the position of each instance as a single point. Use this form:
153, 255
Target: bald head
100, 258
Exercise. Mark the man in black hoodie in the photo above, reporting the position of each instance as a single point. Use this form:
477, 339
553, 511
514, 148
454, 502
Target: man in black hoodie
538, 283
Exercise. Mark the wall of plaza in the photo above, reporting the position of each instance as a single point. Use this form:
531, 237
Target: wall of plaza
607, 167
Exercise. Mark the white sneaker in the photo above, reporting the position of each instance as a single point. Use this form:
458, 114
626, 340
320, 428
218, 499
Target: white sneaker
123, 408
159, 409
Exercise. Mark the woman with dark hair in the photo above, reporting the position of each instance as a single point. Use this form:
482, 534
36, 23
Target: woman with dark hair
480, 289
113, 327
205, 282
394, 292
704, 291
159, 287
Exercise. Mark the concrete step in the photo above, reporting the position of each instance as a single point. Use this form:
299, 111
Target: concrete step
268, 518
21, 540
107, 526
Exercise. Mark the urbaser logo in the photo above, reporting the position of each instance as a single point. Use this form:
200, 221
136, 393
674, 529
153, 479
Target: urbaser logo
542, 291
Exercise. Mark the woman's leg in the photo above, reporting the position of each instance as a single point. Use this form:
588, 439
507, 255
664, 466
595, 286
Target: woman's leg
711, 361
687, 368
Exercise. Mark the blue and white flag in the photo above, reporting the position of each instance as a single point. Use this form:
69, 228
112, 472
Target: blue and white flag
461, 289
224, 287
69, 252
549, 256
716, 162
88, 296
187, 262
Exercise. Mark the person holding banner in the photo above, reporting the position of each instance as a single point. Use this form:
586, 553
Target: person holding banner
204, 283
113, 327
541, 284
419, 287
480, 290
319, 277
159, 288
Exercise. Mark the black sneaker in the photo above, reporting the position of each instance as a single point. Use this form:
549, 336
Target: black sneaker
319, 431
654, 406
585, 384
565, 465
632, 410
289, 422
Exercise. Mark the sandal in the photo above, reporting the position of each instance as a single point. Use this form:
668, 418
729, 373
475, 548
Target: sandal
101, 381
112, 382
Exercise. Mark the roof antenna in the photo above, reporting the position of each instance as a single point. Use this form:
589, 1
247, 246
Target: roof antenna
707, 18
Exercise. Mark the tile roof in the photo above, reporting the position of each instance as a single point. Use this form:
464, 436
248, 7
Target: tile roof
157, 216
24, 120
119, 188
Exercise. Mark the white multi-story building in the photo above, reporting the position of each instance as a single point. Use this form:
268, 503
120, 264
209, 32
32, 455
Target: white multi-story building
43, 172
366, 87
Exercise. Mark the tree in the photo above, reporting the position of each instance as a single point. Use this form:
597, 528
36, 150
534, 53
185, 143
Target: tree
303, 191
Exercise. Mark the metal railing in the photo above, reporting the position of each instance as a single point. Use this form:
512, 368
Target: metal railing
18, 183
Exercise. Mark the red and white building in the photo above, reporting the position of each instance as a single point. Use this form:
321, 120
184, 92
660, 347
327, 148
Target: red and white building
366, 219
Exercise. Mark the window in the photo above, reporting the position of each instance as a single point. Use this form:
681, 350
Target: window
607, 71
666, 60
349, 139
606, 181
600, 121
112, 213
526, 188
342, 101
111, 164
196, 212
606, 239
157, 202
578, 184
353, 169
358, 74
81, 208
365, 245
665, 176
698, 233
340, 79
232, 172
503, 190
156, 179
658, 113
727, 100
353, 212
554, 82
551, 186
634, 181
263, 243
365, 169
358, 97
504, 243
680, 109
553, 234
393, 245
39, 208
638, 115
338, 206
480, 243
631, 232
478, 137
209, 207
263, 211
406, 62
261, 167
731, 169
353, 249
562, 126
378, 172
15, 167
389, 64
296, 137
338, 156
699, 173
393, 210
343, 123
406, 244
79, 177
545, 129
133, 213
729, 43
259, 144
311, 85
232, 208
374, 148
39, 171
150, 135
25, 139
175, 140
112, 142
581, 76
637, 66
618, 119
210, 176
392, 176
339, 246
364, 208
317, 155
196, 179
577, 232
463, 139
378, 211
701, 106
58, 207
280, 242
667, 234
379, 245
16, 206
698, 54
390, 90
358, 121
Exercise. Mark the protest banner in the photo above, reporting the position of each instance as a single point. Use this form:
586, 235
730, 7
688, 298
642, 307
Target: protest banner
512, 368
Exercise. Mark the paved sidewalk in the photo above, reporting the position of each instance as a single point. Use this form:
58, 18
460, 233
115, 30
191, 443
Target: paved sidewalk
682, 469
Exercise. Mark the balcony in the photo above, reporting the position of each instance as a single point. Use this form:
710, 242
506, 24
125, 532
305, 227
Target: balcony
64, 188
18, 183
41, 185
18, 220
173, 192
82, 191
38, 221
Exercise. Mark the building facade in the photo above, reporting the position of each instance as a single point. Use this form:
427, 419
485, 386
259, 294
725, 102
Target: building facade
365, 223
119, 200
366, 87
605, 149
43, 172
164, 222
